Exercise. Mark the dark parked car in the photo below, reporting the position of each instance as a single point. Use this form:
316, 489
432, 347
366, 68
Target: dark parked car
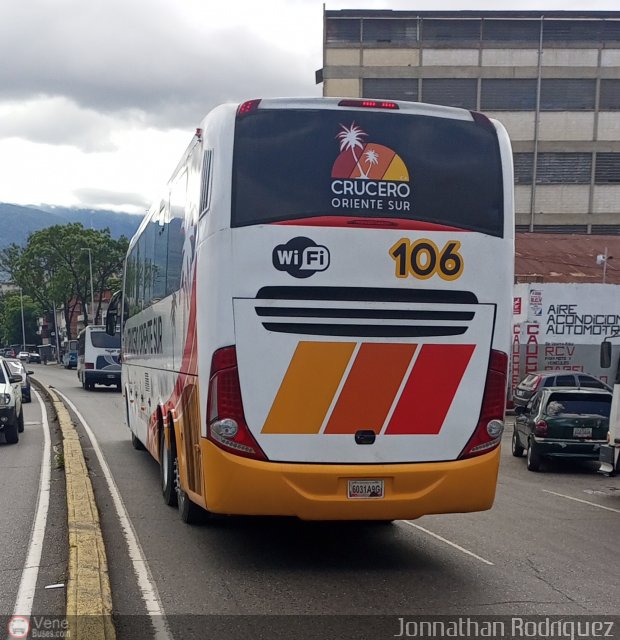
16, 367
562, 423
539, 379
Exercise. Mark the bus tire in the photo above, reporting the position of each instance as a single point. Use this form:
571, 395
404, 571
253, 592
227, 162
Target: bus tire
190, 512
166, 470
517, 449
533, 457
136, 442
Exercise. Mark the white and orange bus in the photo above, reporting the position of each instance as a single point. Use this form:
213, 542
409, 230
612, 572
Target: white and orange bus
316, 314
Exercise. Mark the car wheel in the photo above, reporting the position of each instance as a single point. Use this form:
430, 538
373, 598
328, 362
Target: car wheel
166, 471
11, 433
533, 457
20, 422
517, 449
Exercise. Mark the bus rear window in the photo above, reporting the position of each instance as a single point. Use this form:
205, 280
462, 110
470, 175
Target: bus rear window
292, 164
101, 340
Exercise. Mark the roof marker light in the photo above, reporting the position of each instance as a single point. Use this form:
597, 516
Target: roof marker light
368, 104
248, 107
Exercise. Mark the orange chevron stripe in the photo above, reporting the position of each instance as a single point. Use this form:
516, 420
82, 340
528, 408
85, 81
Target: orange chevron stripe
430, 389
370, 388
308, 387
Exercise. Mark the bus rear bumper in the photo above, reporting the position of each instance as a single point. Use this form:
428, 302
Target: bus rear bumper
240, 486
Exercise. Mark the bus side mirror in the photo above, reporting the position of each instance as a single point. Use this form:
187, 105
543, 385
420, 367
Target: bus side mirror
112, 314
605, 354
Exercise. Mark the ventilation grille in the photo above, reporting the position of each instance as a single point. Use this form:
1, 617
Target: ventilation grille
354, 312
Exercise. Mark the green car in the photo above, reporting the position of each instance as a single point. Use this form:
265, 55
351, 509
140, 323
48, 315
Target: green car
562, 423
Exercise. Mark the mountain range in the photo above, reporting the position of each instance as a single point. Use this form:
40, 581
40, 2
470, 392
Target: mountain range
17, 222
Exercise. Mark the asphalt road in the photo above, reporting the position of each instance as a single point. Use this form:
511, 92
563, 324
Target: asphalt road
548, 546
20, 473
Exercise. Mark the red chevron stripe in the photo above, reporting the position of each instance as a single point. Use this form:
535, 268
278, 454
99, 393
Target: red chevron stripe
430, 389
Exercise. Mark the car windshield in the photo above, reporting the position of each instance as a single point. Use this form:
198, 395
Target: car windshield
561, 404
2, 376
15, 367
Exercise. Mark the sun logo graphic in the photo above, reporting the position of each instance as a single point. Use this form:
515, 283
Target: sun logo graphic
367, 175
366, 160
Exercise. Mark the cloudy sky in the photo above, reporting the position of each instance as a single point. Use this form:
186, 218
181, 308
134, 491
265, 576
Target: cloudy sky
99, 98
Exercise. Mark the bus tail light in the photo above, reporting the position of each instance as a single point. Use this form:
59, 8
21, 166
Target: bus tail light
227, 427
368, 104
488, 433
541, 428
89, 365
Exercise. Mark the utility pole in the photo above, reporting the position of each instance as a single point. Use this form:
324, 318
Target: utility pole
92, 294
21, 300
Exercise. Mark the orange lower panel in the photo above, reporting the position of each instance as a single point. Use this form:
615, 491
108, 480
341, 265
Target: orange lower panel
236, 485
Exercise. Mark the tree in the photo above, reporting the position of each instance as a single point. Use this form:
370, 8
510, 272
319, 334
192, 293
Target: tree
11, 319
54, 266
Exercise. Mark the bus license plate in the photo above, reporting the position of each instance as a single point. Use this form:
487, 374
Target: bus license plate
582, 432
366, 489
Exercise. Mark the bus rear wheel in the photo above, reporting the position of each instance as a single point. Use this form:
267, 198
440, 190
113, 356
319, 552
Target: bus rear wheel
189, 511
166, 470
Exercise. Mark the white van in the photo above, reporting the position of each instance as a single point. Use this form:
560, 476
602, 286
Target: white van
98, 358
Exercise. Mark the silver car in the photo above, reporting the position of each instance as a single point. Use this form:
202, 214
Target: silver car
11, 412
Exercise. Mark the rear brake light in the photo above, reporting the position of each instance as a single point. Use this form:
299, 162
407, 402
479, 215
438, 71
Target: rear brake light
248, 107
89, 365
226, 426
368, 104
541, 428
490, 427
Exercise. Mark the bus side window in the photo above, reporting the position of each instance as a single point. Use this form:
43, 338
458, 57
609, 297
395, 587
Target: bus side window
205, 182
176, 235
160, 256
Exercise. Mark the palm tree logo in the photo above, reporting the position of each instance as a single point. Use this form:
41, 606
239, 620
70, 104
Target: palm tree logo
351, 139
370, 157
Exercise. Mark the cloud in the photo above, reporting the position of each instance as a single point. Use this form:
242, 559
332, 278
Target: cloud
149, 58
105, 198
57, 121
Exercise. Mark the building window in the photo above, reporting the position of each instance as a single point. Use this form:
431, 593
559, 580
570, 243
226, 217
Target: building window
572, 30
511, 30
338, 31
390, 31
560, 94
607, 168
450, 30
611, 31
564, 168
390, 88
523, 167
452, 92
610, 95
508, 95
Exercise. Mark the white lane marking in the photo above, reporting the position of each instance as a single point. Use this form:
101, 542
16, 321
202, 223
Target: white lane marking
448, 542
146, 583
30, 574
592, 504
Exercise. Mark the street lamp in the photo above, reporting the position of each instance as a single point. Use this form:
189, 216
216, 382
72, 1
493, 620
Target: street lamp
603, 258
21, 301
92, 295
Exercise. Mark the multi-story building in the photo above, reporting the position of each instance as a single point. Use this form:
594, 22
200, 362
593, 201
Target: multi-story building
552, 78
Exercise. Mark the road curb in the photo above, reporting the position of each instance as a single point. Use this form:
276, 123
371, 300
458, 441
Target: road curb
89, 596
